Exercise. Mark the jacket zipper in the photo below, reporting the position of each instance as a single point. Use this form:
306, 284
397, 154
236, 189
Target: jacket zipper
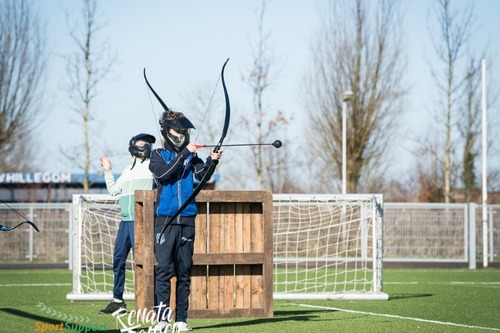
179, 195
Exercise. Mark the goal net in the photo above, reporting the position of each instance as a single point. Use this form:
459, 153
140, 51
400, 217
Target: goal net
325, 247
95, 224
328, 247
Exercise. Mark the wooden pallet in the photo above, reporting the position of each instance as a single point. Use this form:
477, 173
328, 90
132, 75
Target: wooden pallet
232, 262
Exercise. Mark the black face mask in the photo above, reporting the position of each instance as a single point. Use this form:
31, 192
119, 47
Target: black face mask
145, 150
178, 143
141, 152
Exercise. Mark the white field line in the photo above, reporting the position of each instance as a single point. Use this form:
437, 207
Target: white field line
470, 282
451, 282
397, 317
34, 284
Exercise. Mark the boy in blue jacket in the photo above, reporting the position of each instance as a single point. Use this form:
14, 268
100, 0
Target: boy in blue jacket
173, 168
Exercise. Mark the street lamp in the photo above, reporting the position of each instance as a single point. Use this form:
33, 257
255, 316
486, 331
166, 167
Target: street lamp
346, 96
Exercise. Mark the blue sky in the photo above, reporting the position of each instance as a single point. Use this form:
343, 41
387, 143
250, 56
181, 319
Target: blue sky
183, 44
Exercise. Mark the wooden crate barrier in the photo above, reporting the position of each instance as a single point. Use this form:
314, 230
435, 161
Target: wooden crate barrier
232, 262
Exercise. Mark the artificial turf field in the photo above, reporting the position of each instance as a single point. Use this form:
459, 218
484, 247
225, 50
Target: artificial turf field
420, 300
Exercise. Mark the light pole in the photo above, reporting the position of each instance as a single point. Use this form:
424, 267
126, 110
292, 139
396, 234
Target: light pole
346, 96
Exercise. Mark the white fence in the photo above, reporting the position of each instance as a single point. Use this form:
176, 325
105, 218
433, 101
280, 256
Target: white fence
24, 244
434, 232
413, 232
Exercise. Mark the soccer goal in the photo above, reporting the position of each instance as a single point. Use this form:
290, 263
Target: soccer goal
93, 230
324, 247
328, 247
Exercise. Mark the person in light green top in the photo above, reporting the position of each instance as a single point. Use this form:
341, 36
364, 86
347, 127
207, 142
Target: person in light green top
136, 176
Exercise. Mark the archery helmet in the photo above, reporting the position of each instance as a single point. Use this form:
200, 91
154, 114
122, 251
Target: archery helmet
141, 151
180, 124
172, 120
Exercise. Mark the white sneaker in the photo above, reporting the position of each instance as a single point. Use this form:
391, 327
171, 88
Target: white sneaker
181, 326
162, 327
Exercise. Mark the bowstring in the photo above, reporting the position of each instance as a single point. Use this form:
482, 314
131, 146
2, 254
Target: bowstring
207, 108
154, 115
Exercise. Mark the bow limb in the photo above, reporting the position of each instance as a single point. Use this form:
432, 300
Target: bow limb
7, 228
228, 110
212, 165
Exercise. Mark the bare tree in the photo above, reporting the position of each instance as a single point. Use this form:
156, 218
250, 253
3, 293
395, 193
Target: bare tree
360, 49
262, 124
86, 68
455, 28
22, 62
470, 127
429, 173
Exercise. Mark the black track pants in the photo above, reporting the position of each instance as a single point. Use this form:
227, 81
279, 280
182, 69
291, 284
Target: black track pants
174, 254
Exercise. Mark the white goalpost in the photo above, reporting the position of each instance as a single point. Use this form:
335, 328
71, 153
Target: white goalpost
328, 247
324, 247
93, 230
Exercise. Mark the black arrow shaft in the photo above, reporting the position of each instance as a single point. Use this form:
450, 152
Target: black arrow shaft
276, 144
241, 144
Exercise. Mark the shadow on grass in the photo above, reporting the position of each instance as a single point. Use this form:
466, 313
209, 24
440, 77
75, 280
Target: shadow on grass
47, 320
393, 297
279, 316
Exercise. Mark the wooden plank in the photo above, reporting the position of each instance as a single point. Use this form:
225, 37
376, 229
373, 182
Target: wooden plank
200, 244
222, 248
140, 271
144, 260
257, 281
231, 196
239, 281
228, 258
214, 283
257, 225
267, 207
257, 299
227, 313
228, 212
198, 296
245, 269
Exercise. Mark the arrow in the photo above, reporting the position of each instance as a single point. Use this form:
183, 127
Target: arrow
276, 144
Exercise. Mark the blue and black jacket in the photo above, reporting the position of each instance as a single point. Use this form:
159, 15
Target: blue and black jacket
173, 173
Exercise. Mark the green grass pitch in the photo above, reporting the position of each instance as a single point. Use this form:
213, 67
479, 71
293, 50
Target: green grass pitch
420, 300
